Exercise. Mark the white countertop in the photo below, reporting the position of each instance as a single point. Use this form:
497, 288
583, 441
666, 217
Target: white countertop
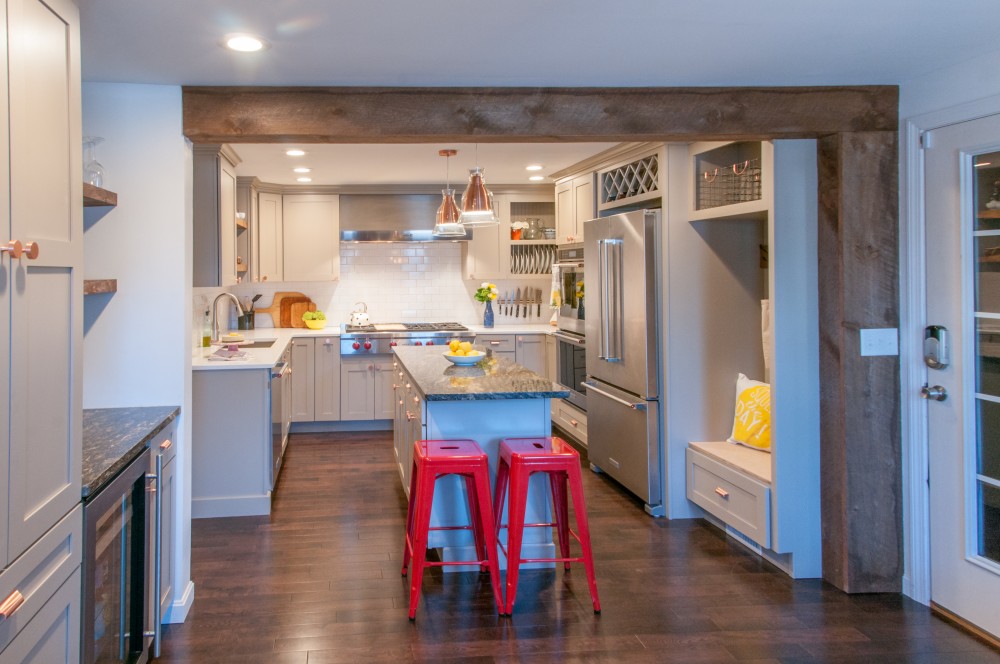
265, 358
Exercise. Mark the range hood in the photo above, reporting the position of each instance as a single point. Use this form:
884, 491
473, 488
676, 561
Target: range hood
390, 218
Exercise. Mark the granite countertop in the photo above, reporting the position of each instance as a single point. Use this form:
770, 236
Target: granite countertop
437, 379
113, 437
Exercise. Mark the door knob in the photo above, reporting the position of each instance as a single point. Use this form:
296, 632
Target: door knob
935, 393
16, 249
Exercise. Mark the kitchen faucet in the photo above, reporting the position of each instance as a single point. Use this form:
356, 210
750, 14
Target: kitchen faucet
215, 312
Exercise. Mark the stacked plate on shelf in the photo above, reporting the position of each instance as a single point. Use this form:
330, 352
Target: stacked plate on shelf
532, 258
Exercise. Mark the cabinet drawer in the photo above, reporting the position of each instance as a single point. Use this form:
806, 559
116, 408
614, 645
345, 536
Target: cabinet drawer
570, 419
498, 342
165, 443
40, 571
724, 492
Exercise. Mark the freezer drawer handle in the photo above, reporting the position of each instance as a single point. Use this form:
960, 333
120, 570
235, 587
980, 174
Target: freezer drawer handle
638, 405
722, 492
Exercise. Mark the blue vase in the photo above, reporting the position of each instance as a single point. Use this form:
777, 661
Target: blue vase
488, 315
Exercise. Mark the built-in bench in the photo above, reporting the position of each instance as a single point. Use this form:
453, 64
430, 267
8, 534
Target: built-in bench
732, 483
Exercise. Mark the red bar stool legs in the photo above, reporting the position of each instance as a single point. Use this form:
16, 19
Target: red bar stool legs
519, 459
433, 459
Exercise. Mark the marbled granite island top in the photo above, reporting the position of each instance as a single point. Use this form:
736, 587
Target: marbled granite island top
113, 437
494, 378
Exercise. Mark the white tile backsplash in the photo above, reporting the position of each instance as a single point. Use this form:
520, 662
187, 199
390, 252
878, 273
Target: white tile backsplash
399, 282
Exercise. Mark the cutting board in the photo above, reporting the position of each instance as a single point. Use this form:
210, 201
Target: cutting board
299, 308
274, 311
285, 316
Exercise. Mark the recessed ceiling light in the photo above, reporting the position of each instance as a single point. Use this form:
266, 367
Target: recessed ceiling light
302, 169
536, 178
295, 153
245, 43
533, 167
304, 179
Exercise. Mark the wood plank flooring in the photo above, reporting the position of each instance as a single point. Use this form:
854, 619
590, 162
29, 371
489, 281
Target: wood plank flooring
318, 582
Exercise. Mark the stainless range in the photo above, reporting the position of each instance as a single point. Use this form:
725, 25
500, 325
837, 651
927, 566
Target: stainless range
379, 339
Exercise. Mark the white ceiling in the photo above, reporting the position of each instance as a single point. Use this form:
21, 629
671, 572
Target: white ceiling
502, 163
518, 43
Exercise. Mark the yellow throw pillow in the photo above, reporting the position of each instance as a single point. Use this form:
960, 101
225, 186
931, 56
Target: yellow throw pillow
752, 422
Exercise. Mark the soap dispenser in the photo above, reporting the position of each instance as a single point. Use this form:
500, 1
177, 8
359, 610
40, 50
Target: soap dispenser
206, 329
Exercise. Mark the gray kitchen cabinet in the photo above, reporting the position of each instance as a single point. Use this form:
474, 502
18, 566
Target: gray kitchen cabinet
575, 204
326, 379
246, 222
214, 216
408, 422
530, 352
231, 435
502, 345
303, 373
550, 357
40, 361
311, 237
491, 254
366, 391
163, 446
268, 233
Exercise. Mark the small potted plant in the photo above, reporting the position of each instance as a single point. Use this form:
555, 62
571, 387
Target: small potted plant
315, 320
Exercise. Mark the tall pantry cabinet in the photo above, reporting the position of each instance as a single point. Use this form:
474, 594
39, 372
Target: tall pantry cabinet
41, 332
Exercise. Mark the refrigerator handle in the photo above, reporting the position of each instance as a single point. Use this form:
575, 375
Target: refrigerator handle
614, 314
602, 271
638, 405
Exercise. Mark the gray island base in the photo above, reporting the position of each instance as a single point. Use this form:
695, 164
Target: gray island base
485, 402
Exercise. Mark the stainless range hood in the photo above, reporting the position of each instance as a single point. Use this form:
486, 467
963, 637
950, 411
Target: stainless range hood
390, 218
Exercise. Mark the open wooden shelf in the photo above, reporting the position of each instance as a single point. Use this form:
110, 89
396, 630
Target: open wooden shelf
988, 214
97, 197
97, 286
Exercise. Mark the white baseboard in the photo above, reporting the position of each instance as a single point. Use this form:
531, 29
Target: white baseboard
210, 508
348, 425
178, 611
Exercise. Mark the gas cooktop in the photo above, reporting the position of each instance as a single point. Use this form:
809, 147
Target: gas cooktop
406, 327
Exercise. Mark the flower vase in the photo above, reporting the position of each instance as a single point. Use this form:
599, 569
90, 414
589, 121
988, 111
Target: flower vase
488, 315
580, 315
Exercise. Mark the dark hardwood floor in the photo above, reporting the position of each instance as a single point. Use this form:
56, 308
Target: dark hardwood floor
319, 581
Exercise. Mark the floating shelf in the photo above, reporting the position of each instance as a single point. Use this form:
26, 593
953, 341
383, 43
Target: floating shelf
988, 214
97, 286
97, 197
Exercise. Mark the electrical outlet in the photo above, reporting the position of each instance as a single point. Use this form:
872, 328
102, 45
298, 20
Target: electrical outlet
879, 341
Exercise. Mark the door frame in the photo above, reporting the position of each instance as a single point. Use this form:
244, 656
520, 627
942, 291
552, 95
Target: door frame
913, 310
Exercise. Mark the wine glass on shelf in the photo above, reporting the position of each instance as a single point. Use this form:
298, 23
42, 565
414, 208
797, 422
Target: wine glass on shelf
93, 171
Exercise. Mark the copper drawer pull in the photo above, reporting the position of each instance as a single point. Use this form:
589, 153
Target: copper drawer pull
574, 422
722, 492
11, 604
165, 445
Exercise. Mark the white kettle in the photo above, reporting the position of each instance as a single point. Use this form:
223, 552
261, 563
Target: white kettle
359, 316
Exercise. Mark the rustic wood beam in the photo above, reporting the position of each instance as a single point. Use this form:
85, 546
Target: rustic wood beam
860, 433
417, 115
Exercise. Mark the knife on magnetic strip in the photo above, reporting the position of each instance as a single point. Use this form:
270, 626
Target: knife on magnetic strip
517, 303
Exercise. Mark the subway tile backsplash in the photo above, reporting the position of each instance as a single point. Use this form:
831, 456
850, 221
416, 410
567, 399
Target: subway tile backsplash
398, 281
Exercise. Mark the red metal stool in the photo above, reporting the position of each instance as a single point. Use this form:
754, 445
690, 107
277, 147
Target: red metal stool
519, 458
433, 459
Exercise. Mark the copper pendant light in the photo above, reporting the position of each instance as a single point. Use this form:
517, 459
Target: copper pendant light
446, 224
477, 201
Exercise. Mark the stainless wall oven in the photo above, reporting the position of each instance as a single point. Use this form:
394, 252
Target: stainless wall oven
118, 576
569, 271
571, 365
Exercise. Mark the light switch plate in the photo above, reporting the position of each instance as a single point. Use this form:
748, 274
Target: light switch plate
879, 341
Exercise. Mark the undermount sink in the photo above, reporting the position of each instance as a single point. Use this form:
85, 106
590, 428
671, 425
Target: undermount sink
263, 343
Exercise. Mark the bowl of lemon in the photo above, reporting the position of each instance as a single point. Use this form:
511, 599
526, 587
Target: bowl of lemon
462, 353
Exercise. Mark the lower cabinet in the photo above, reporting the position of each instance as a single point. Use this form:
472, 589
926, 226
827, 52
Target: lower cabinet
163, 446
326, 379
502, 345
570, 419
366, 388
528, 350
551, 370
408, 422
303, 375
45, 627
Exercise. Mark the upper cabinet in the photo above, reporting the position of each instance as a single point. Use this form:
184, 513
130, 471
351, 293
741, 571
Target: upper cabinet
575, 204
731, 180
502, 251
214, 198
268, 234
311, 237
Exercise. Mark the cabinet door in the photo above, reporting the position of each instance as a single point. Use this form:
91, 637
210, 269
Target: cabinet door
384, 375
482, 254
311, 236
584, 203
269, 241
45, 195
565, 212
167, 523
53, 635
550, 357
530, 352
326, 380
6, 268
303, 374
357, 400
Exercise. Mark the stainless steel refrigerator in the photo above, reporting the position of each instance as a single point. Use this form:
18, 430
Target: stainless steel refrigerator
621, 253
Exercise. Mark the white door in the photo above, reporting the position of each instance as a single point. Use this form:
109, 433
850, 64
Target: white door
962, 184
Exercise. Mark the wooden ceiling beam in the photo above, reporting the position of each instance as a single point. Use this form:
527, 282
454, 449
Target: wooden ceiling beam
418, 115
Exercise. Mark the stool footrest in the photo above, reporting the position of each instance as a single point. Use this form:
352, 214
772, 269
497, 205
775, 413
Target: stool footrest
553, 560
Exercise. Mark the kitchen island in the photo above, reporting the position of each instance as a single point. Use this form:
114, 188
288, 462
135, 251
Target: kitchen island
486, 402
